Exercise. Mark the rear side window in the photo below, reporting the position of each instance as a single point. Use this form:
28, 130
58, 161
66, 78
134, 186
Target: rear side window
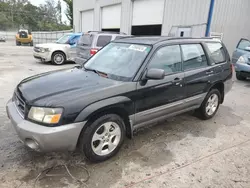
217, 52
193, 56
103, 40
243, 44
85, 40
119, 37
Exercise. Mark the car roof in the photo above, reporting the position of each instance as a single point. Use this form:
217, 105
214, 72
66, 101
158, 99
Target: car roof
151, 40
74, 34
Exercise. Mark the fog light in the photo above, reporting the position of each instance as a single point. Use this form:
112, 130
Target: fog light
32, 144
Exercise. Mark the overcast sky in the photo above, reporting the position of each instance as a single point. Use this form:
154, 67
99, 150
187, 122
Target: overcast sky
38, 2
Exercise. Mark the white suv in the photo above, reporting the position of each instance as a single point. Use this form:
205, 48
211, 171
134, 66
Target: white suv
57, 52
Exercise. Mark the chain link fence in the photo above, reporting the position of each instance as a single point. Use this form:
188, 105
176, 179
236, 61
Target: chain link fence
47, 37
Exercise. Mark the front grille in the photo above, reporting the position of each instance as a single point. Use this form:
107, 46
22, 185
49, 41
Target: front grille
37, 49
20, 104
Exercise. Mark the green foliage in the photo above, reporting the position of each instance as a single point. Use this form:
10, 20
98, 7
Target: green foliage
15, 14
69, 11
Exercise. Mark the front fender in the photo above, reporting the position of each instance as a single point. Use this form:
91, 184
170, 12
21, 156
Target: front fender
119, 101
65, 50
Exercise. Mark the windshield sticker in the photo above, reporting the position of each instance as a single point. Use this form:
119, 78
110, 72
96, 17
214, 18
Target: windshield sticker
138, 48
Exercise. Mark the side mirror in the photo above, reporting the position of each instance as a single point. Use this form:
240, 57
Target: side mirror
247, 48
155, 74
71, 43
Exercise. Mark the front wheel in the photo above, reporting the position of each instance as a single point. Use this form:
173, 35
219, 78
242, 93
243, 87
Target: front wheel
58, 58
210, 105
103, 138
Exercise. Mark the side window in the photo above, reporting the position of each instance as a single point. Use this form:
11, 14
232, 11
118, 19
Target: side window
103, 40
243, 44
193, 56
167, 58
217, 52
119, 37
75, 39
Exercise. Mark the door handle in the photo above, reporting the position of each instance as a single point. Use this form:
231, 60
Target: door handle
177, 81
210, 72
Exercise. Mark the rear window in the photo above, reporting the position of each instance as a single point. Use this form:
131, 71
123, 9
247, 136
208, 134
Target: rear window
85, 40
217, 52
103, 40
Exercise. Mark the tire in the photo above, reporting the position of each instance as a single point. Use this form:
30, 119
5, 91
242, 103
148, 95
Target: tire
18, 43
58, 58
96, 143
239, 76
203, 112
31, 43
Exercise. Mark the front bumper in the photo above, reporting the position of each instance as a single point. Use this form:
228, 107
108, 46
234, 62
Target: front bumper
240, 67
46, 56
41, 138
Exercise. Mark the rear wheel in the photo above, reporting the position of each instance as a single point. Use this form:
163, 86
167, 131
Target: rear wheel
210, 105
18, 43
31, 43
103, 138
239, 76
58, 58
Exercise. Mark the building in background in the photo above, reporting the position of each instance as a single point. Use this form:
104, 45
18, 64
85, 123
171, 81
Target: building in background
165, 17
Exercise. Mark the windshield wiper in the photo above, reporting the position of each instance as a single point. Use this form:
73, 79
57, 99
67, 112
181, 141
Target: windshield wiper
97, 72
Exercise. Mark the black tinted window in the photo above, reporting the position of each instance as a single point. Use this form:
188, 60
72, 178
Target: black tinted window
243, 44
119, 37
167, 58
85, 40
217, 52
193, 56
103, 40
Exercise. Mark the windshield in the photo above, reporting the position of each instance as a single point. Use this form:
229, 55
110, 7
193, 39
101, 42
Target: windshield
63, 40
119, 61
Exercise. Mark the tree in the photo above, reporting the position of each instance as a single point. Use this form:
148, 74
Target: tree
69, 11
15, 14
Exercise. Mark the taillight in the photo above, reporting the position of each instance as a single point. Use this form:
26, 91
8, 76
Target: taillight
93, 51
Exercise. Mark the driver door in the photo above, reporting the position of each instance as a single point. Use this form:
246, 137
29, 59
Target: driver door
161, 97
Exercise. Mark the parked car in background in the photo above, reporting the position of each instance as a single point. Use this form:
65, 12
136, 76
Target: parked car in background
130, 83
24, 37
93, 41
241, 59
57, 52
2, 38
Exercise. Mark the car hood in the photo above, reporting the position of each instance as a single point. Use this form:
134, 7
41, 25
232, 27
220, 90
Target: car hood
52, 45
65, 86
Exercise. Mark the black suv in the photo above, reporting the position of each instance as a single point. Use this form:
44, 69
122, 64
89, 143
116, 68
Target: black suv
130, 83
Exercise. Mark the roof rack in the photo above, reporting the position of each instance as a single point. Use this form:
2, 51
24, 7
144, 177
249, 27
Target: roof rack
116, 32
174, 38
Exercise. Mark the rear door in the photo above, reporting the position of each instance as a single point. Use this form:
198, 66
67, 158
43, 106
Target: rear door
240, 49
198, 73
83, 48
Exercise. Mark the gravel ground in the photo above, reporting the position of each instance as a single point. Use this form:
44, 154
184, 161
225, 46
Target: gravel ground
180, 152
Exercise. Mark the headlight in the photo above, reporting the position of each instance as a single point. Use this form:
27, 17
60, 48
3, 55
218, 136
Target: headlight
241, 60
45, 115
44, 50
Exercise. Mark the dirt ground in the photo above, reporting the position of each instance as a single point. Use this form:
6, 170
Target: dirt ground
180, 152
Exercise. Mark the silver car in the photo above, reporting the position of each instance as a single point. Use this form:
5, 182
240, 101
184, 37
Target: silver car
93, 41
241, 59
